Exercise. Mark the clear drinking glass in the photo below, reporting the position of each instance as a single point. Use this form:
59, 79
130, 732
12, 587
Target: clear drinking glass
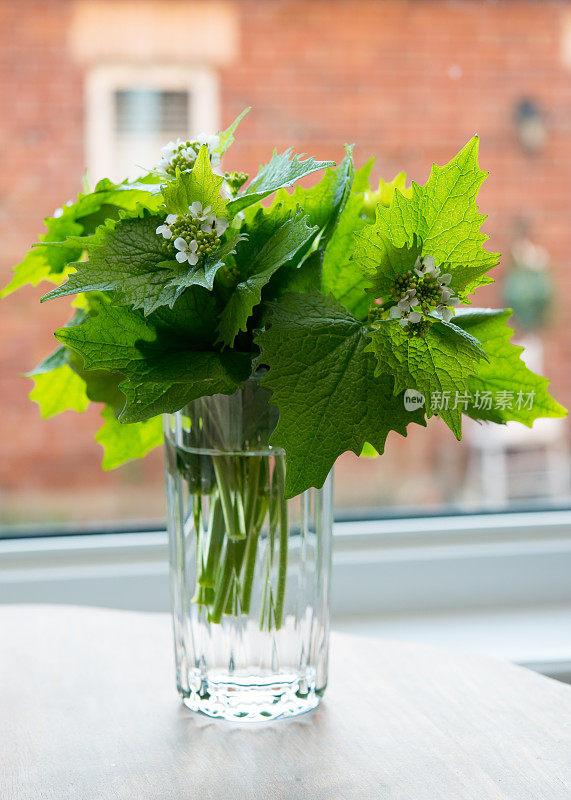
250, 571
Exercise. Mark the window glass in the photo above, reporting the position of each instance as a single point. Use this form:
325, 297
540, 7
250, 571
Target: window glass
144, 120
409, 83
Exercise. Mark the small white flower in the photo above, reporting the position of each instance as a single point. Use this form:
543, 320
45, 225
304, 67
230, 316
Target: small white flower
170, 147
407, 300
167, 153
445, 312
221, 225
448, 298
404, 305
211, 140
187, 251
430, 265
446, 294
58, 213
197, 211
213, 224
426, 266
444, 280
413, 318
165, 231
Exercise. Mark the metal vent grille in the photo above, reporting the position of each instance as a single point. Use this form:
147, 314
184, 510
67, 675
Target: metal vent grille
148, 112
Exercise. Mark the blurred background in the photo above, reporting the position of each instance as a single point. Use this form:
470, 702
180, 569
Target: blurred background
102, 84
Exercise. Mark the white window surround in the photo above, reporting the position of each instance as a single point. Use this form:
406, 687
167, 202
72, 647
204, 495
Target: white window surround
495, 583
104, 80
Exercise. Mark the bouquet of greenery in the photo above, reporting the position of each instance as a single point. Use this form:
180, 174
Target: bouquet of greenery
352, 302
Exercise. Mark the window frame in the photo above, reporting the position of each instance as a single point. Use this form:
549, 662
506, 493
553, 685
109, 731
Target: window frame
415, 565
103, 80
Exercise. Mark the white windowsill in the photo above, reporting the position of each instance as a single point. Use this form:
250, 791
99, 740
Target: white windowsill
497, 584
535, 637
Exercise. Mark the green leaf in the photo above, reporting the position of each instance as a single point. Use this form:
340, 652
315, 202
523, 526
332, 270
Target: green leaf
124, 258
57, 387
442, 218
165, 385
524, 394
372, 250
200, 184
122, 442
283, 170
267, 248
75, 219
295, 277
62, 383
43, 262
227, 136
438, 365
109, 340
203, 274
323, 382
324, 204
128, 259
384, 193
101, 386
362, 176
325, 201
192, 319
344, 276
166, 359
340, 275
114, 338
55, 360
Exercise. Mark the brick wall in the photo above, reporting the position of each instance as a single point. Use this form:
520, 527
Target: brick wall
407, 81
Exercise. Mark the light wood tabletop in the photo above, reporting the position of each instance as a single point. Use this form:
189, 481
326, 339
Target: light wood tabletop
89, 711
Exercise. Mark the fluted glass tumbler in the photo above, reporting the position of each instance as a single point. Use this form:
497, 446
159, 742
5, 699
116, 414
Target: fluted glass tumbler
250, 570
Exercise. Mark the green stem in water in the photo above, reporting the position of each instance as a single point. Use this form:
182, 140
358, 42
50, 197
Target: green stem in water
200, 595
215, 541
203, 595
239, 505
256, 507
283, 524
252, 490
227, 577
233, 516
267, 597
197, 511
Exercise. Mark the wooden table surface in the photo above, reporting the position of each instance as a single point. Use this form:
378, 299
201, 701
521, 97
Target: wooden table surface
88, 711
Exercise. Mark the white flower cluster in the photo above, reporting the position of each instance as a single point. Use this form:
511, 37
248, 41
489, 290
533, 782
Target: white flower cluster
201, 228
403, 309
184, 153
431, 289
